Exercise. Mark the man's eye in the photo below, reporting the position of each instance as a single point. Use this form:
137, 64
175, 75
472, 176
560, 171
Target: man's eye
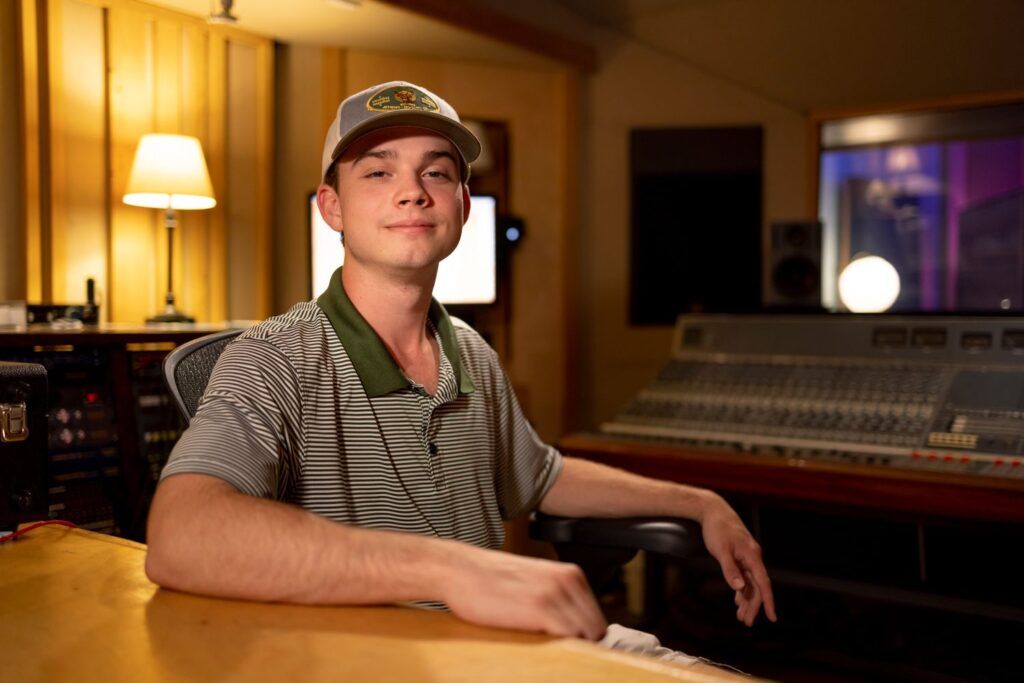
376, 174
437, 174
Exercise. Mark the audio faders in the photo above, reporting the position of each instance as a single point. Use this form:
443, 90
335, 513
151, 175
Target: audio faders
910, 392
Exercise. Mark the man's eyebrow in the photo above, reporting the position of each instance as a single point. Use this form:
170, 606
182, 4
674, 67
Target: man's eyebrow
385, 153
433, 155
375, 153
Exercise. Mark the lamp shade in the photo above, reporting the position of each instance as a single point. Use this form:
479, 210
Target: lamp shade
169, 172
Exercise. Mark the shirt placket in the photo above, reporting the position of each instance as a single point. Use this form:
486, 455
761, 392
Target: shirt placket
425, 406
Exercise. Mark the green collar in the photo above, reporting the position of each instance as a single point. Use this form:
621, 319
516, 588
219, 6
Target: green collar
374, 365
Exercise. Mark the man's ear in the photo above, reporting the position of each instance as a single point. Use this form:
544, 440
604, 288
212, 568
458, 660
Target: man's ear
465, 203
329, 203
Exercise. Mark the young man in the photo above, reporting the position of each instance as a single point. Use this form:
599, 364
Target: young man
364, 448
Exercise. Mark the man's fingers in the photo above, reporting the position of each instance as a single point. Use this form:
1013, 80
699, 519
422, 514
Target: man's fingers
754, 600
562, 621
528, 594
558, 614
758, 575
739, 555
591, 618
747, 610
569, 608
591, 623
731, 571
748, 601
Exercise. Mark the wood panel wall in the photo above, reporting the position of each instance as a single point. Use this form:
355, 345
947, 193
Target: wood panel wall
97, 75
12, 261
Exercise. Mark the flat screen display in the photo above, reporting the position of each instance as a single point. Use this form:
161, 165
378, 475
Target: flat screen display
467, 276
939, 195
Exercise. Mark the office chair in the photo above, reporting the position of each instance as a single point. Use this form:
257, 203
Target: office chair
598, 546
187, 369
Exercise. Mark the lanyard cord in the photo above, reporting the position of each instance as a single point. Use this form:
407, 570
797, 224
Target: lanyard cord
398, 474
423, 437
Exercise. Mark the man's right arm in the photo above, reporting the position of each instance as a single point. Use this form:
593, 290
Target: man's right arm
207, 537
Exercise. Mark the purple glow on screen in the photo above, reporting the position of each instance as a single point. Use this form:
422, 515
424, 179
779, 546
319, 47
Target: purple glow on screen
948, 215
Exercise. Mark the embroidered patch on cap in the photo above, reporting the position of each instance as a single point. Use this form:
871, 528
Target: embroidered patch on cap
401, 97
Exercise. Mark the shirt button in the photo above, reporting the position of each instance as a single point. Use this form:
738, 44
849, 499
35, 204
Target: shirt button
432, 448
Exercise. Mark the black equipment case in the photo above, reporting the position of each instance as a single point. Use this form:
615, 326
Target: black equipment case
23, 444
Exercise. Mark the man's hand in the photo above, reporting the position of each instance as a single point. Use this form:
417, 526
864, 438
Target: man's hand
588, 489
498, 589
729, 542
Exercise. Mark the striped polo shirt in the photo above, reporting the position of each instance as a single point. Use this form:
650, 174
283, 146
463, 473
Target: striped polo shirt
309, 408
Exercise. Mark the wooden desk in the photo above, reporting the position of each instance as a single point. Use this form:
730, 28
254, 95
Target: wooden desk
75, 605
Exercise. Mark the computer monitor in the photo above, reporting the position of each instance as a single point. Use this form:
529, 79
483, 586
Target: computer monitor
467, 277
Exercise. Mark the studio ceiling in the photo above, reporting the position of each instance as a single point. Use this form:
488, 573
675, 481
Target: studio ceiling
371, 26
803, 54
812, 54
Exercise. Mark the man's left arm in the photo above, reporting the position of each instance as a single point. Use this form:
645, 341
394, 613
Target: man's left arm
588, 489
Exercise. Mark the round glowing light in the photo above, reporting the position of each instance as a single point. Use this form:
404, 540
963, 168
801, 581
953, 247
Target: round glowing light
869, 284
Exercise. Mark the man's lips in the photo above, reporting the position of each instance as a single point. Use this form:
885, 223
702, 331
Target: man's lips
411, 225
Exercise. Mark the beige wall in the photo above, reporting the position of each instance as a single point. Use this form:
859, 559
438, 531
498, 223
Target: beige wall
637, 87
310, 82
12, 253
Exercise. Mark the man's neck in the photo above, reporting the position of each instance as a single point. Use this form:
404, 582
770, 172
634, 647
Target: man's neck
395, 308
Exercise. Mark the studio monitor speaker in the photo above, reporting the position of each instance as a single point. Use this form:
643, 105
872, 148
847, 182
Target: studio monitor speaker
794, 266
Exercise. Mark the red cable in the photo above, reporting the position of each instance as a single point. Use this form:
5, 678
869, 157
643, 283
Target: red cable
21, 532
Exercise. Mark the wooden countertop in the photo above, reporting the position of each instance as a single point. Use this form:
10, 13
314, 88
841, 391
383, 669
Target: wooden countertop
889, 489
110, 333
76, 605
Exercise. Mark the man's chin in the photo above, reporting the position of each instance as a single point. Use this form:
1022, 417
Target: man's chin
409, 263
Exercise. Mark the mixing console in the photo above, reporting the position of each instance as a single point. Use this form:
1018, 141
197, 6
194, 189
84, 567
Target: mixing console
906, 392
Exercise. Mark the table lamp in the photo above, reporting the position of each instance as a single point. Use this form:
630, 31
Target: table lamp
169, 173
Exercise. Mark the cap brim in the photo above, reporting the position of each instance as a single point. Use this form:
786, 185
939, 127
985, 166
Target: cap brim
460, 136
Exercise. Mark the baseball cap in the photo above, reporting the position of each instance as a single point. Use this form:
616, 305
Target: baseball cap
396, 103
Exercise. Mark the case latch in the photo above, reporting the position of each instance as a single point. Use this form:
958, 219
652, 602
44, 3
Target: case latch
13, 422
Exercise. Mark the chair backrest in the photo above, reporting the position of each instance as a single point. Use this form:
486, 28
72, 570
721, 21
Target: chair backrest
187, 369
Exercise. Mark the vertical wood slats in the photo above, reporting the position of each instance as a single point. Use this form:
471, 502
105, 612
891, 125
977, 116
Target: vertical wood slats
78, 148
33, 40
131, 73
106, 72
217, 257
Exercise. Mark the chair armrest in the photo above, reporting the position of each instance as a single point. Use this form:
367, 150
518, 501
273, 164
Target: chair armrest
667, 536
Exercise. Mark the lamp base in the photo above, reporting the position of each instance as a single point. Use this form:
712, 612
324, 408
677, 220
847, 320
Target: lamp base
174, 317
171, 313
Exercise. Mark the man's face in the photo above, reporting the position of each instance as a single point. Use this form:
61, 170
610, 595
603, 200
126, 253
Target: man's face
400, 200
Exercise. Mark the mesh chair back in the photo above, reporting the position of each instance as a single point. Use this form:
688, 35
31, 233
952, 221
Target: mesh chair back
187, 369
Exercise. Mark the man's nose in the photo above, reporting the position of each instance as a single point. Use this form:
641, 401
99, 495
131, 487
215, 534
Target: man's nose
411, 192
